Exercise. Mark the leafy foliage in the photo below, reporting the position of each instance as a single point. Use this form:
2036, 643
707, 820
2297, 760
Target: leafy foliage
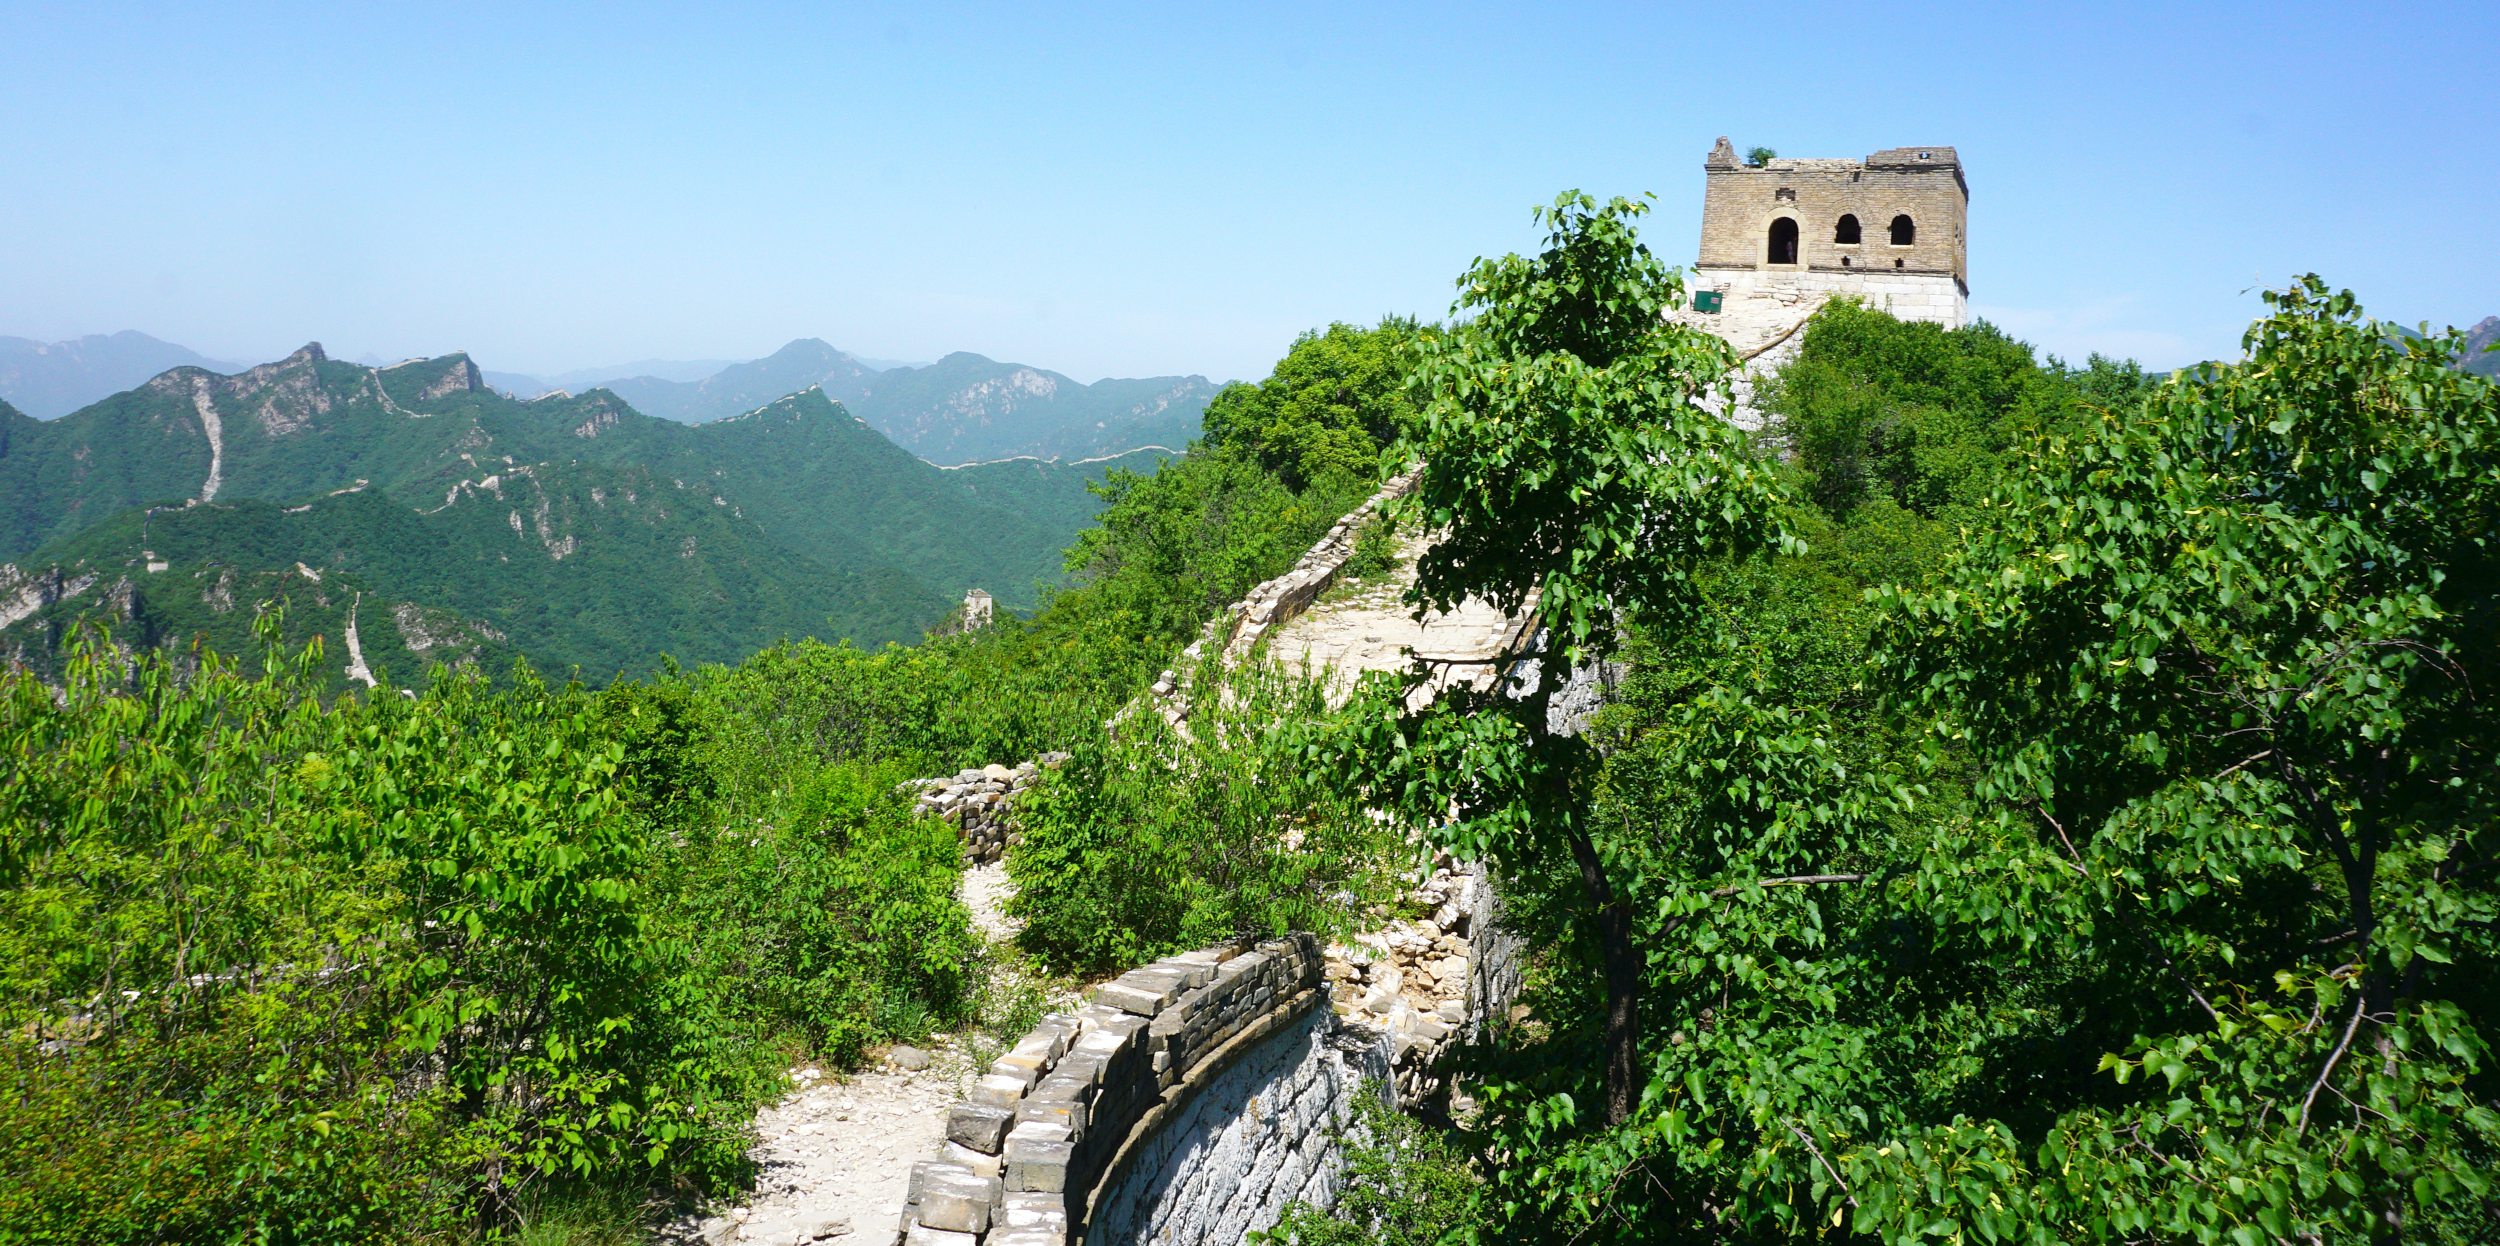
2214, 666
1875, 408
1174, 548
1332, 403
1567, 458
404, 964
2113, 871
1158, 839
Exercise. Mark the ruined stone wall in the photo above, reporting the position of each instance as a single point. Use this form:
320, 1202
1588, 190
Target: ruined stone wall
1191, 1100
1256, 1138
981, 804
1075, 1106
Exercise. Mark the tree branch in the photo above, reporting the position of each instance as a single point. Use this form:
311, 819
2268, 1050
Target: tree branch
2359, 1001
2167, 963
1803, 1137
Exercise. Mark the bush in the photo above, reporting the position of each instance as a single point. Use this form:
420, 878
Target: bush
839, 921
1333, 402
280, 972
1156, 841
1174, 548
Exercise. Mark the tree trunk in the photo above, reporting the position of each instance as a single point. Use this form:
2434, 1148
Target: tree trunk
1623, 982
1614, 916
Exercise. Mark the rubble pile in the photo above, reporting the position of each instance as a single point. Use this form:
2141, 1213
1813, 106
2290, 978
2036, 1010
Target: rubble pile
1415, 979
979, 803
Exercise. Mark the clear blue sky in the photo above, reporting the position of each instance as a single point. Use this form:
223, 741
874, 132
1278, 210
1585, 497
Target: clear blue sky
1140, 191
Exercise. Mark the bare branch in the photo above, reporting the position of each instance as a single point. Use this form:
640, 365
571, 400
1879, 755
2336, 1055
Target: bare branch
2360, 1000
1802, 1136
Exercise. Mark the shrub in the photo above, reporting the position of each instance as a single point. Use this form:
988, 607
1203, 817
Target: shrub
839, 921
1157, 840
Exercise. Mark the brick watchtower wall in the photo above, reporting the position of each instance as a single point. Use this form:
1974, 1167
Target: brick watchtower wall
1773, 244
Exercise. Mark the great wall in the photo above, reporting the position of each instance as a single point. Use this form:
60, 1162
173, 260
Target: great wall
1190, 1100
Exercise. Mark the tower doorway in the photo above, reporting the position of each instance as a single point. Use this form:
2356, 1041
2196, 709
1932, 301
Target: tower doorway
1784, 241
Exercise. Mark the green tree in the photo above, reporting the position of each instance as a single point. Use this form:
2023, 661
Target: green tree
1568, 460
2219, 668
1332, 403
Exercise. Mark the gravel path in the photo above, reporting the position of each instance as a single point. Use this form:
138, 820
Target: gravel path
835, 1154
1361, 628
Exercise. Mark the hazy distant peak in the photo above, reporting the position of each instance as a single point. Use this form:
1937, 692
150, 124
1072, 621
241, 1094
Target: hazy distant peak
2486, 332
311, 353
51, 379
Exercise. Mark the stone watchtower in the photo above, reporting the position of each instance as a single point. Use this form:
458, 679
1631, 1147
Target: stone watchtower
1778, 240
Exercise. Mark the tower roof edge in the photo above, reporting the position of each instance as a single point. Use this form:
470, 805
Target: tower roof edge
1915, 157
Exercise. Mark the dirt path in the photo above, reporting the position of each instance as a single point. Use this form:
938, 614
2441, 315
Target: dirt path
1364, 627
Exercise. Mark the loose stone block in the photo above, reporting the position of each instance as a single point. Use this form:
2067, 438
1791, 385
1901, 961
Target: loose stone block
996, 1090
1045, 1045
1033, 1164
1081, 1067
1144, 1003
1024, 1237
958, 1153
1105, 1044
1067, 1114
920, 1179
1094, 1016
923, 1235
958, 1199
979, 1126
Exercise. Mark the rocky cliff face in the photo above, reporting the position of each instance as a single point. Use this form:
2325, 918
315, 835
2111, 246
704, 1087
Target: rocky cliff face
2479, 340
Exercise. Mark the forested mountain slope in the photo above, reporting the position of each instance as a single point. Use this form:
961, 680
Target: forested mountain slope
965, 409
592, 535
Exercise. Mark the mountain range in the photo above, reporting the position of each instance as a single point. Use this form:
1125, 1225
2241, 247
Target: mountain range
48, 379
962, 409
454, 520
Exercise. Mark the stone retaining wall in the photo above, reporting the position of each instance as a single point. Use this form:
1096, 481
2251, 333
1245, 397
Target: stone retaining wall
1079, 1100
1258, 1137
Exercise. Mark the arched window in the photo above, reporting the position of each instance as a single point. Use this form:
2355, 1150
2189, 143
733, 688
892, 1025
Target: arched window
1784, 240
1847, 229
1903, 232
